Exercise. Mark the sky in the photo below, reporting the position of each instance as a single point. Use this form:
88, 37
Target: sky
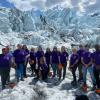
81, 6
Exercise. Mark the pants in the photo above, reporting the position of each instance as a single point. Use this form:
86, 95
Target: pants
33, 68
24, 69
90, 70
44, 74
19, 70
48, 70
97, 77
8, 79
64, 69
74, 73
80, 71
4, 76
55, 69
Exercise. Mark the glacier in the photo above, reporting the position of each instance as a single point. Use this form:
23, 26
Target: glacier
56, 26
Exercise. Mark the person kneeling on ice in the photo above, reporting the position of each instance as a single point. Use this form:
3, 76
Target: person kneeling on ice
96, 63
73, 65
87, 66
43, 69
5, 64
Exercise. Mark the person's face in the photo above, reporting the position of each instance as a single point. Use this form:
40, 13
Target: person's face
32, 49
87, 48
24, 47
4, 51
55, 49
81, 47
62, 49
48, 49
19, 46
74, 51
39, 49
7, 49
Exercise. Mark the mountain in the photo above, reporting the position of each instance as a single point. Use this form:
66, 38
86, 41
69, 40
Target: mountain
55, 26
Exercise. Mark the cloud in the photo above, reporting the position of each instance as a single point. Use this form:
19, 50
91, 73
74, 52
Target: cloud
25, 5
81, 6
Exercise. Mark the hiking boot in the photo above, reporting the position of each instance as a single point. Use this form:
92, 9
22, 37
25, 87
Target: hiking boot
17, 79
74, 83
22, 79
63, 78
80, 79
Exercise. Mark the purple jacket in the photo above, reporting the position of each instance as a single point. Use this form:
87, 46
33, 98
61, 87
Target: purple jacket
26, 52
63, 57
47, 57
80, 53
96, 58
39, 54
55, 57
19, 56
86, 57
5, 61
33, 56
74, 58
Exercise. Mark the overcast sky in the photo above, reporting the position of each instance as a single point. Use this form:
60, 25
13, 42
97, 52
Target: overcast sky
81, 6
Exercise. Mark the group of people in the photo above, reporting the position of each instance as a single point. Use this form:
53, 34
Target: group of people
42, 62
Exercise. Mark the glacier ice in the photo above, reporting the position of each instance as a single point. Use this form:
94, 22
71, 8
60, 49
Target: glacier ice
54, 26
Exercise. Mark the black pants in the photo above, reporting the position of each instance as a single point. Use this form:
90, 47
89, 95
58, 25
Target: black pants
74, 73
4, 76
24, 70
64, 69
97, 77
48, 70
80, 71
44, 74
37, 71
33, 68
8, 79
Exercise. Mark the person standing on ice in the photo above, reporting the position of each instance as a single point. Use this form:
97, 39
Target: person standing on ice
26, 61
73, 65
80, 52
87, 66
32, 61
5, 64
47, 57
96, 64
39, 55
55, 60
9, 53
19, 58
63, 60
